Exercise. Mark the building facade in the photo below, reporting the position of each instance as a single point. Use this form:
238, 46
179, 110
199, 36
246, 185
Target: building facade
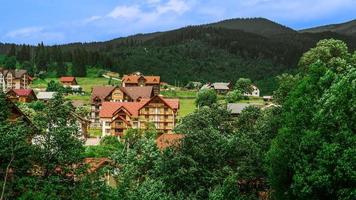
101, 94
116, 117
14, 79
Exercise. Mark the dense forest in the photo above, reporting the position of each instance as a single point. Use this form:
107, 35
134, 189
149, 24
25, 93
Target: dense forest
303, 147
257, 48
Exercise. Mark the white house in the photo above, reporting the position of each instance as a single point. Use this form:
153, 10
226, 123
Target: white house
255, 92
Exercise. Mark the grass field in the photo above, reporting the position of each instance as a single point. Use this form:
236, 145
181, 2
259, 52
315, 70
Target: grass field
186, 106
86, 83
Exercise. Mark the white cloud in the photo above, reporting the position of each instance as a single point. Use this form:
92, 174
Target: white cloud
128, 12
24, 32
176, 6
35, 34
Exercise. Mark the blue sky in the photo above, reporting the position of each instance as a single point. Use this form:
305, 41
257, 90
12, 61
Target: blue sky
64, 21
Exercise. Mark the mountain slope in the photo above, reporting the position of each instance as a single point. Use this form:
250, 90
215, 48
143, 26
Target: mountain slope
347, 28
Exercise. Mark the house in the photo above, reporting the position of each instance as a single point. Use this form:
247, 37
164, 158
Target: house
255, 92
45, 96
21, 95
14, 79
116, 117
220, 87
237, 108
140, 80
168, 140
102, 94
68, 80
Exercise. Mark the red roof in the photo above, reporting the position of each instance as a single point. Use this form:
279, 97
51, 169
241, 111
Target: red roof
135, 78
109, 108
168, 140
23, 92
67, 79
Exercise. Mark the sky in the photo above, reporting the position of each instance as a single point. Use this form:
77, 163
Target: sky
66, 21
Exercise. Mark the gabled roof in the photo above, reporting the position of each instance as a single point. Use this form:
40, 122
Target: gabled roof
135, 79
138, 92
67, 79
109, 108
134, 93
101, 92
172, 103
221, 86
23, 92
168, 140
15, 72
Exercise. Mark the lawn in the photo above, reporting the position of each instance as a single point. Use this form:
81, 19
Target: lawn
86, 83
186, 106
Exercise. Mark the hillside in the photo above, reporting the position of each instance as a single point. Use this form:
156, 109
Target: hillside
256, 48
347, 28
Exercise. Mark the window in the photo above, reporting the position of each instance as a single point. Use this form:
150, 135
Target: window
107, 130
107, 123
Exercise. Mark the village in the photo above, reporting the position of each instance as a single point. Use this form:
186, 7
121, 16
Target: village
132, 102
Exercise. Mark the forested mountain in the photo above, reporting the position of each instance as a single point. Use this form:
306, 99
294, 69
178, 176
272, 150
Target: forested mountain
347, 28
255, 48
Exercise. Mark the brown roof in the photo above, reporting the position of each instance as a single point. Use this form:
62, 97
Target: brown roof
168, 140
23, 92
67, 79
138, 92
101, 92
134, 93
16, 73
135, 78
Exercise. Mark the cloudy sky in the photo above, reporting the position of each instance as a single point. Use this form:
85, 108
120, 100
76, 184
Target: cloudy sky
64, 21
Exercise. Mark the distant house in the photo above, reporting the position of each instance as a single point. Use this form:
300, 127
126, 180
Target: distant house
168, 140
14, 79
21, 95
139, 80
102, 94
254, 93
237, 108
219, 87
68, 80
45, 96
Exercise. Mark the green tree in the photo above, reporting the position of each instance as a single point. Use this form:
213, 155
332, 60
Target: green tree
206, 97
233, 96
10, 62
15, 151
59, 145
311, 156
244, 85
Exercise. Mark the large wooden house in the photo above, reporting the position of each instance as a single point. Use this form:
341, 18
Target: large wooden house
116, 117
21, 95
14, 79
135, 80
101, 94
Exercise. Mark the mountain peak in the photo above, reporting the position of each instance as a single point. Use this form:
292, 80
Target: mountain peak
260, 26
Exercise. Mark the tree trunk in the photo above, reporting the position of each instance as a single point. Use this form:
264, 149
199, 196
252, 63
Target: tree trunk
6, 175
